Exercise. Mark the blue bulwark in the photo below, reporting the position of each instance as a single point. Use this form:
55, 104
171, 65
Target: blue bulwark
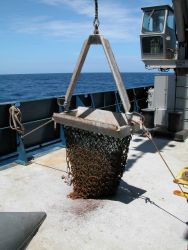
37, 112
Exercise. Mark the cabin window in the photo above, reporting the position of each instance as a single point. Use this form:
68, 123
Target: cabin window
153, 21
170, 20
152, 45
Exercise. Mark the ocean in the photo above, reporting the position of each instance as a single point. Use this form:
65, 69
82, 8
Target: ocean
20, 87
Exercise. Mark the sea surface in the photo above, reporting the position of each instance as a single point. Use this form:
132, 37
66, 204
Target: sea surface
20, 87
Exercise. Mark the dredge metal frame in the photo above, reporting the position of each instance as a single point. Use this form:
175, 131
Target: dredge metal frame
97, 39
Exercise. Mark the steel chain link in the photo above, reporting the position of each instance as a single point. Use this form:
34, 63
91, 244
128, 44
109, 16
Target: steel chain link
97, 162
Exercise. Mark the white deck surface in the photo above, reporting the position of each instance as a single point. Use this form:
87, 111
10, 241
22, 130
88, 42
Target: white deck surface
122, 222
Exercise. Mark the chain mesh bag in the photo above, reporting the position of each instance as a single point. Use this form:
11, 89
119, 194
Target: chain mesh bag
97, 162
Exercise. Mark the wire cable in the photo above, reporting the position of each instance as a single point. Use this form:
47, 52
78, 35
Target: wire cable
96, 21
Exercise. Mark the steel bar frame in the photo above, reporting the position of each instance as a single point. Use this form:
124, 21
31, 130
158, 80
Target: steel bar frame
97, 39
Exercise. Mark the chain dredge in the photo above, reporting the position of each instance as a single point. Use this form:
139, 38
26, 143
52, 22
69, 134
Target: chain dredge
97, 162
96, 22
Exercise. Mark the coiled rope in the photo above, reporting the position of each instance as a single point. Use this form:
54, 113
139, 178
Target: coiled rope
15, 120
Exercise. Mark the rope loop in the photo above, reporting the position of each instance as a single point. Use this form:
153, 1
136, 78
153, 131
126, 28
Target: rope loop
15, 119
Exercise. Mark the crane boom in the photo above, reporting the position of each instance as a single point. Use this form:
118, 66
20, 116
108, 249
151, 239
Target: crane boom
179, 13
181, 20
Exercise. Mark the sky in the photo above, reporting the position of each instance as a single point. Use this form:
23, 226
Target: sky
46, 36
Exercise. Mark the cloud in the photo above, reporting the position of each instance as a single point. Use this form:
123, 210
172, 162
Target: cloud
146, 3
107, 9
119, 31
48, 27
117, 21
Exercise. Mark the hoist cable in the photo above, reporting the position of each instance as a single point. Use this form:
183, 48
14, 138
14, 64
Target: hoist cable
96, 22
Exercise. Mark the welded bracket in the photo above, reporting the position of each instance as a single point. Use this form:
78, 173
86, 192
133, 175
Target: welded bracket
22, 154
97, 39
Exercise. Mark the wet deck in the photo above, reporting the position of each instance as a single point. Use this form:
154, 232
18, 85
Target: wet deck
124, 221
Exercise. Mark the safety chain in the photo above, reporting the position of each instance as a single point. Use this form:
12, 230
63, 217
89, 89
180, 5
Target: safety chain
68, 176
96, 22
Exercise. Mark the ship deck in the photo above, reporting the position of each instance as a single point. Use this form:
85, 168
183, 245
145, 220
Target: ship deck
144, 214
